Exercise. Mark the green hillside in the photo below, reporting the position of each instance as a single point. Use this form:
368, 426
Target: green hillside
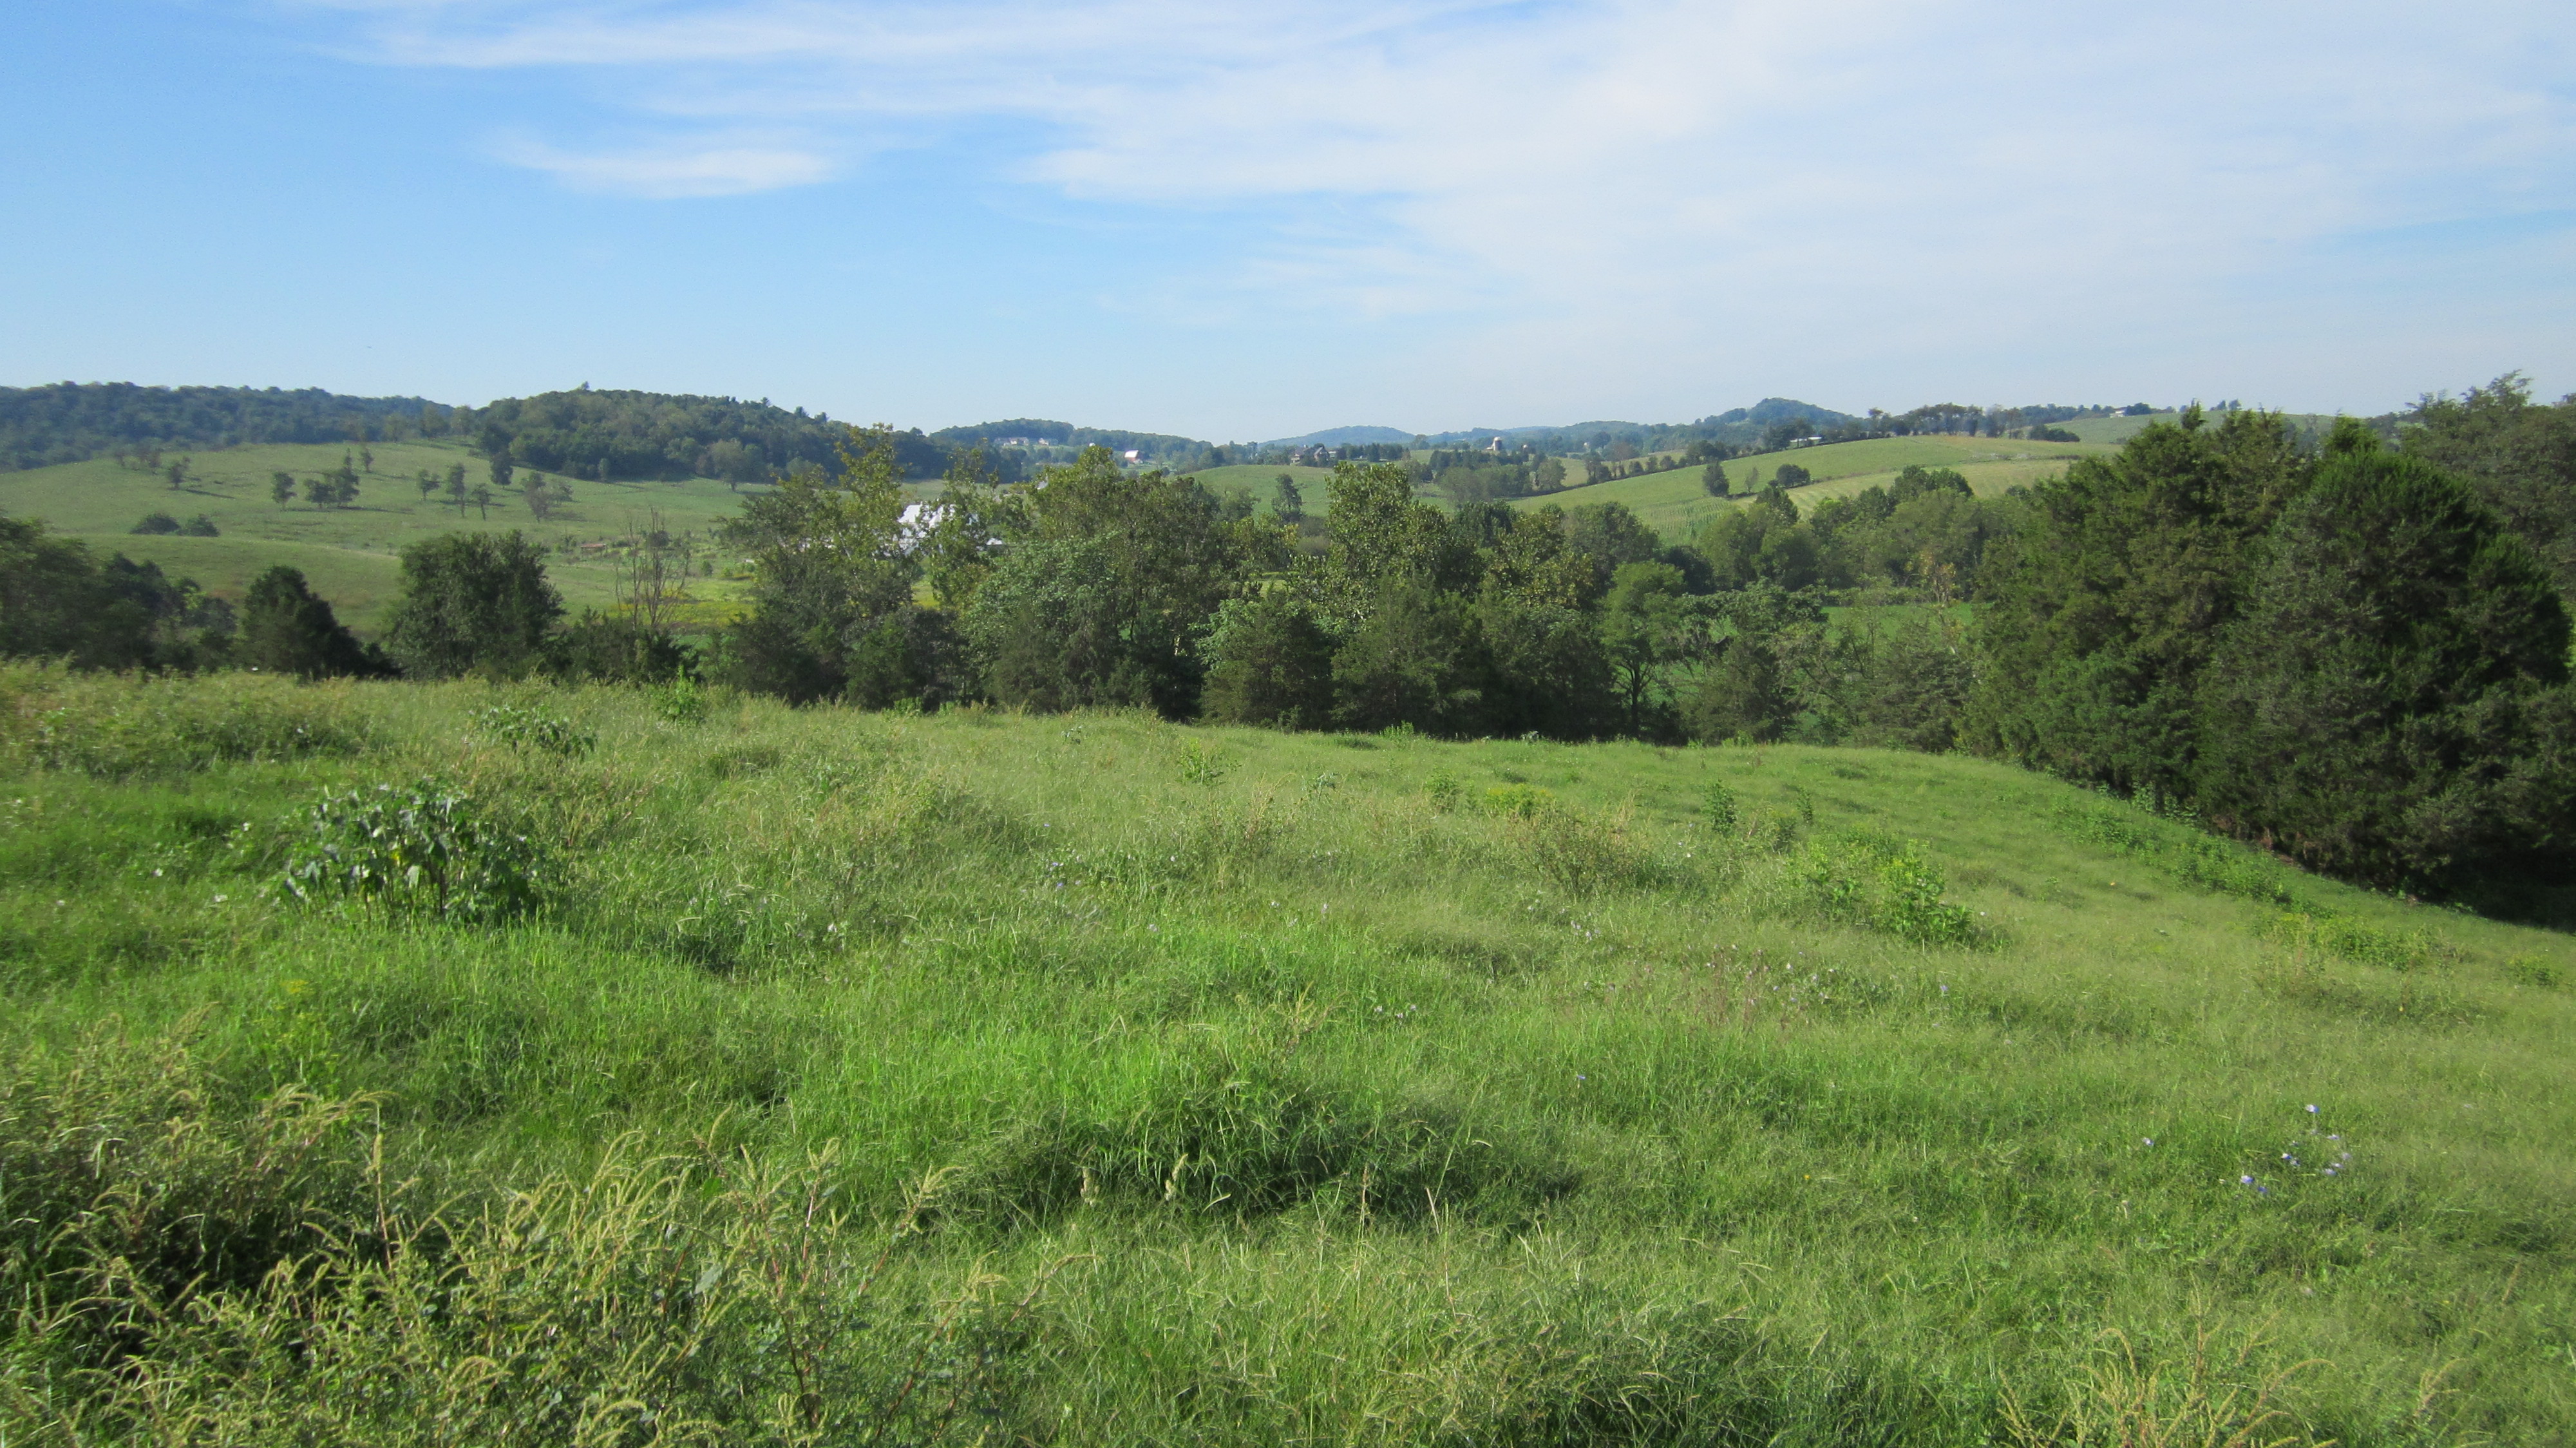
1261, 483
348, 554
811, 1076
1676, 502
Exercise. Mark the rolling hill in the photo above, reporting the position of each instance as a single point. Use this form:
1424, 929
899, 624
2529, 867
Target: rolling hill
348, 554
1675, 502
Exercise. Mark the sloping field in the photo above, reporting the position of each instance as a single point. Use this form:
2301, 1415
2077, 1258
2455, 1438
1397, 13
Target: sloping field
1261, 483
813, 1076
346, 553
1675, 503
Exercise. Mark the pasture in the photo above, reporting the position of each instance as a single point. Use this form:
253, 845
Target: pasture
1677, 502
349, 553
831, 1077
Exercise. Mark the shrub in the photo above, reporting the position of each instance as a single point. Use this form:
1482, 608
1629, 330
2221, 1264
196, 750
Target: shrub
425, 850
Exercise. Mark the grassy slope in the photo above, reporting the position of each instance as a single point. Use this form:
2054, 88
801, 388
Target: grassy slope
347, 553
1366, 1118
1675, 503
1260, 482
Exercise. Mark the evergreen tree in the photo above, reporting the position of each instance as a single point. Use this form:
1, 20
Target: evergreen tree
2379, 710
2518, 455
1269, 663
1413, 660
2095, 623
286, 629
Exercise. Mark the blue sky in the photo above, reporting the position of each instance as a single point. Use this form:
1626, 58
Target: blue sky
1252, 221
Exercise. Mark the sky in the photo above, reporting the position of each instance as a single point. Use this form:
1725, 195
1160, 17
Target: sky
1251, 221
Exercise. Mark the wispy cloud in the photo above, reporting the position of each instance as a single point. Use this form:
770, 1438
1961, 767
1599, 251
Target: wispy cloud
1907, 168
700, 170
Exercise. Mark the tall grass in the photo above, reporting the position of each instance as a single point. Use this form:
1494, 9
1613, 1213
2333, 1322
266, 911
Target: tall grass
857, 1078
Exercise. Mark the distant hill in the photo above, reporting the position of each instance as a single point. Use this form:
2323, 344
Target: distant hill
1020, 441
1344, 437
659, 436
1779, 409
69, 422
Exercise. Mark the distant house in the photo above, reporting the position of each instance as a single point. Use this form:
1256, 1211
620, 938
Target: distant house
1133, 455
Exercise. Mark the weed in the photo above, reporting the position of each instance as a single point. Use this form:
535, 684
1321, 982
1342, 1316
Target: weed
425, 850
1717, 804
530, 729
1201, 764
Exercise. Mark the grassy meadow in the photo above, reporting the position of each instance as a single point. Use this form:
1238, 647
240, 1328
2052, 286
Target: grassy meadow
1677, 502
818, 1076
349, 554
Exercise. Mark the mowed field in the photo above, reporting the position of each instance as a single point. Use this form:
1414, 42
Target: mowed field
349, 554
1219, 1086
1677, 502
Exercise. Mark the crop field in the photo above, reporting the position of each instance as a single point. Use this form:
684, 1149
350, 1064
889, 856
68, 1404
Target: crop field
739, 1074
348, 554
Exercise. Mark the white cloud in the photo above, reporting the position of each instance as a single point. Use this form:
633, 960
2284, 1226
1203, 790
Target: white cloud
1840, 179
677, 172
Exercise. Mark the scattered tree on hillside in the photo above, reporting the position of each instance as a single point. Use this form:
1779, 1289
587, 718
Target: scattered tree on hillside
482, 496
1288, 503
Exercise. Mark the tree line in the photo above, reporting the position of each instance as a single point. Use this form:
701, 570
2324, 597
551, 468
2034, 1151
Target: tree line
2353, 653
68, 421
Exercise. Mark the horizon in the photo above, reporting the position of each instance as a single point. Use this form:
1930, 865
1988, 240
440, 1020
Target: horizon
1260, 226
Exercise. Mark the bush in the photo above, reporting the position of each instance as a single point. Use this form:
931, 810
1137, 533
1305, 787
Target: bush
423, 851
613, 649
